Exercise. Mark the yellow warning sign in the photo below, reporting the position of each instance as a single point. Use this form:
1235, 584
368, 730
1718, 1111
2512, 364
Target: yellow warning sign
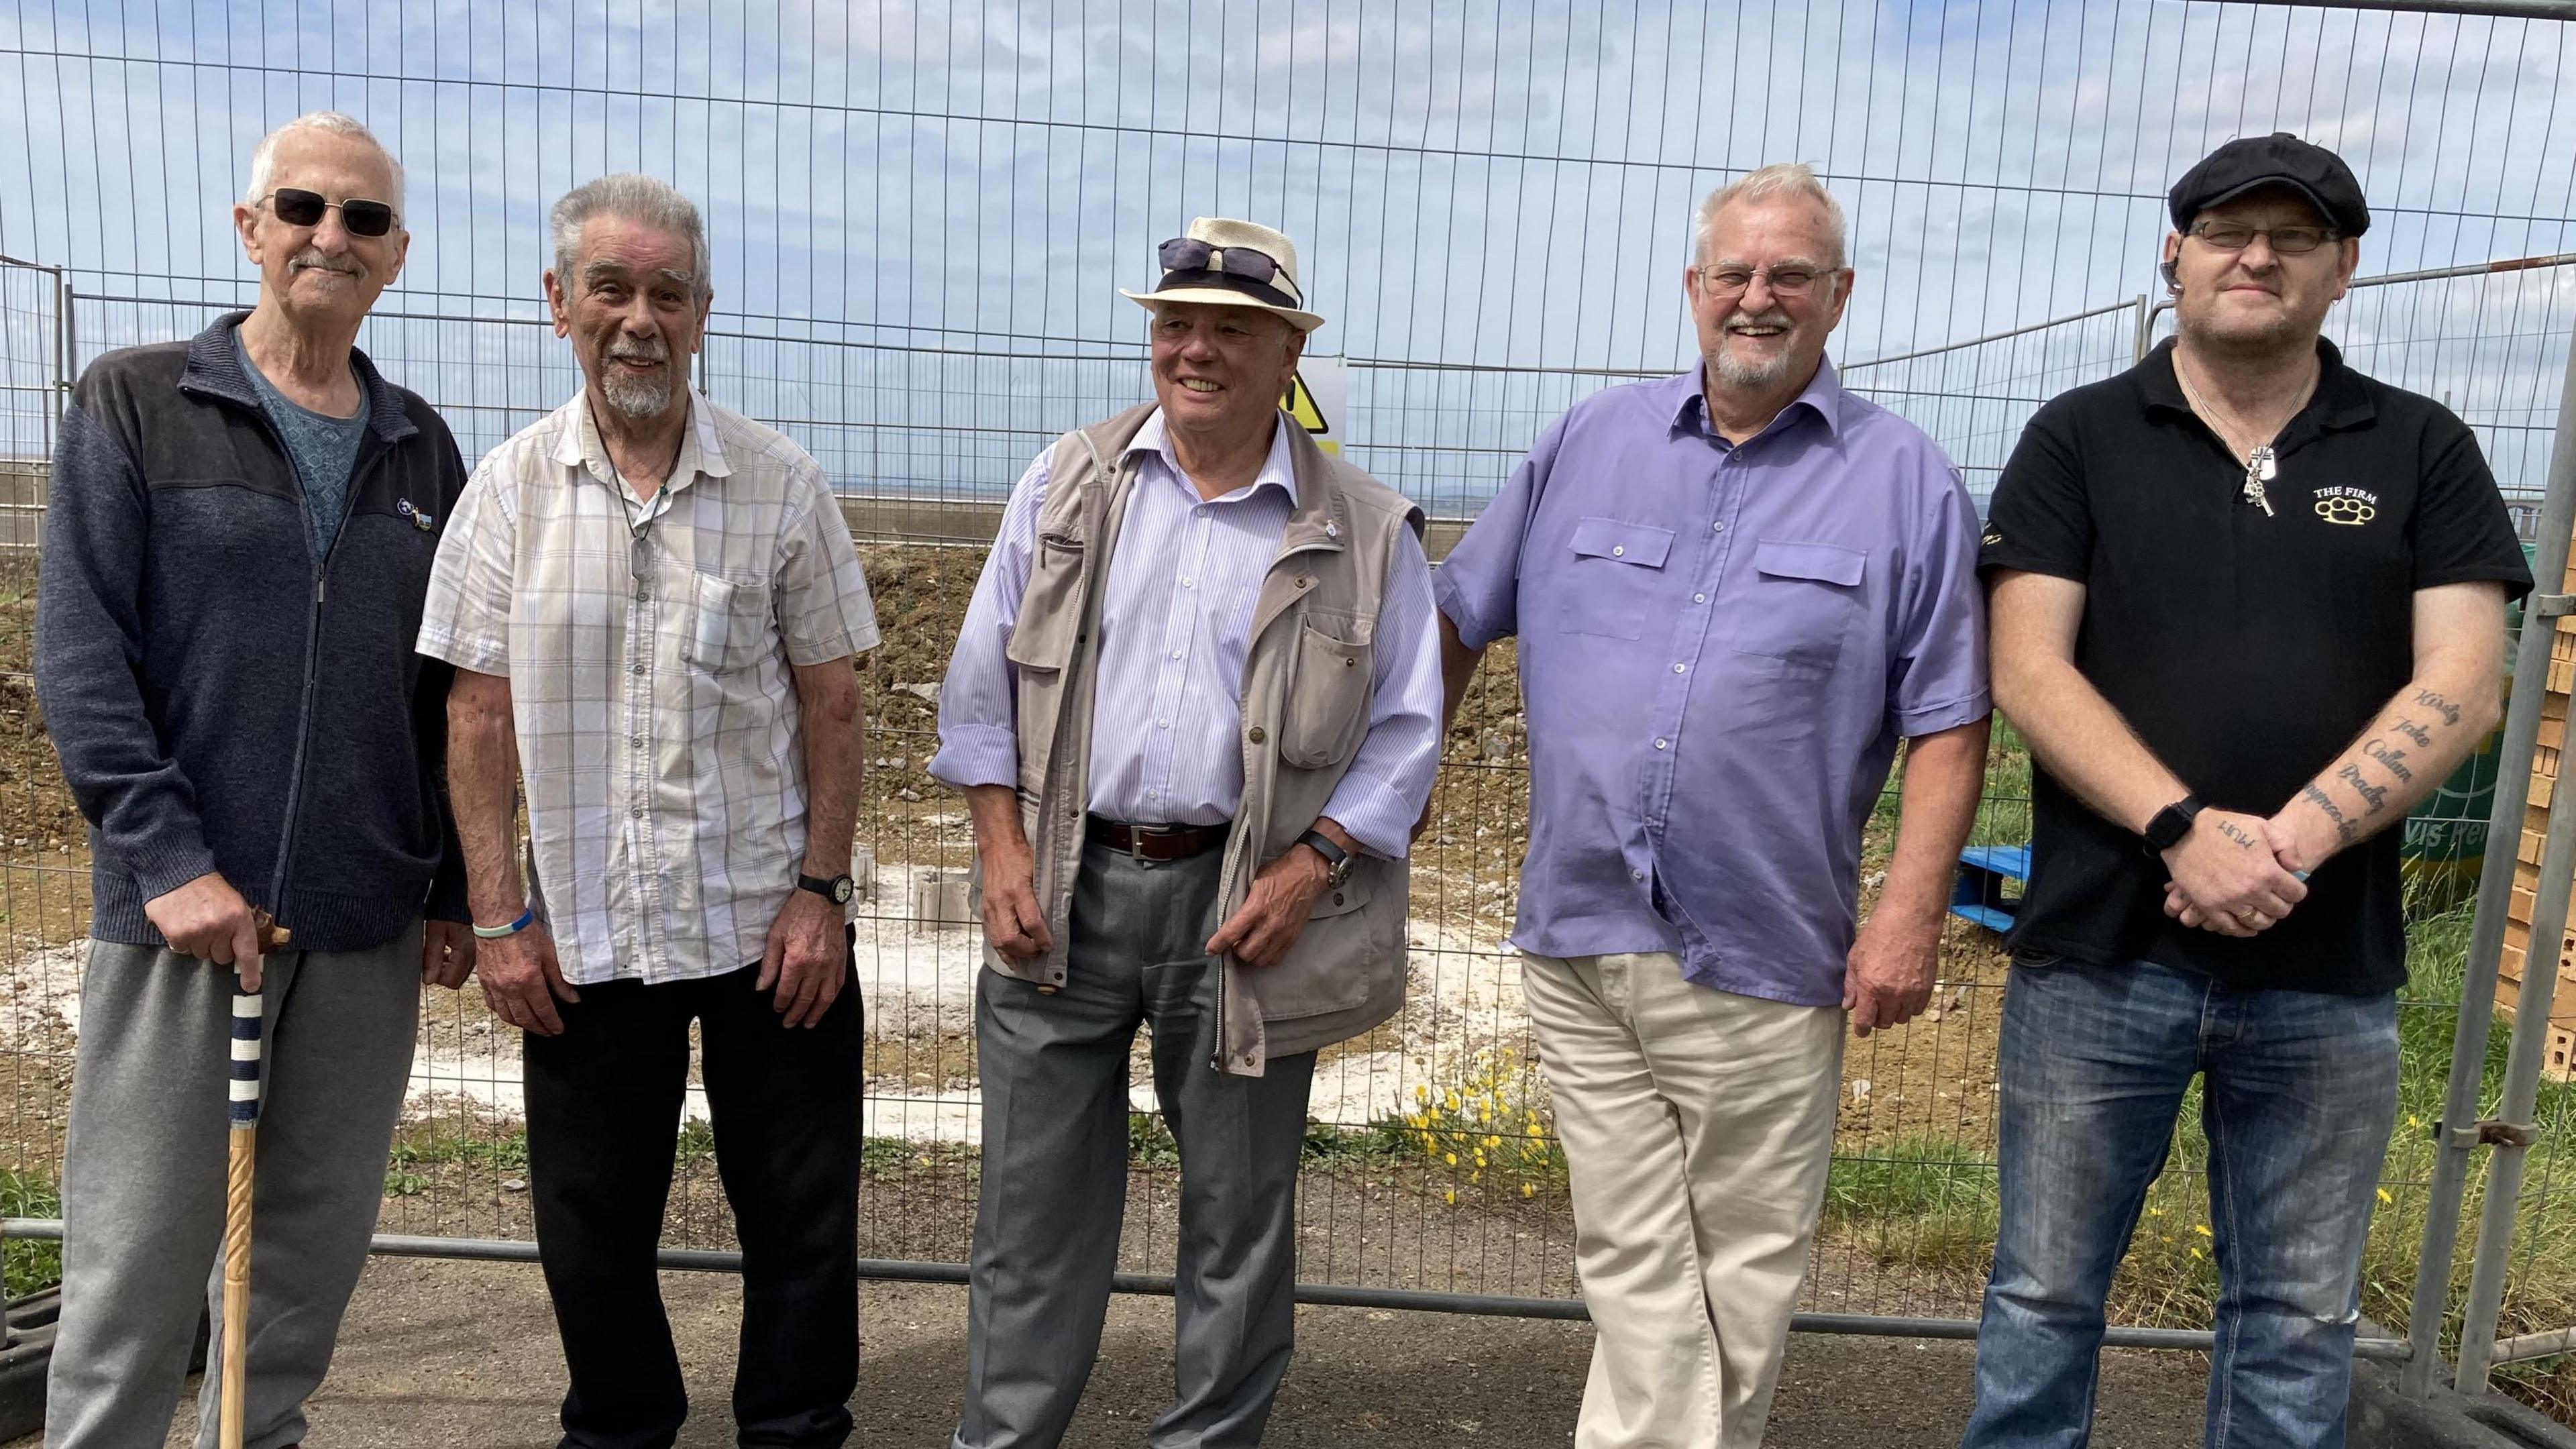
1318, 398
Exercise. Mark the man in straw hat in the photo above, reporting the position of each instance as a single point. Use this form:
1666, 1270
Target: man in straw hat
1194, 709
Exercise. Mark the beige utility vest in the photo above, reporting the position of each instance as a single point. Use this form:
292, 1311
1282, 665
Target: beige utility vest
1307, 684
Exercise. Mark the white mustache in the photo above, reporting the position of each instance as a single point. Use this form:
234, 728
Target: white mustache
1773, 318
653, 351
314, 259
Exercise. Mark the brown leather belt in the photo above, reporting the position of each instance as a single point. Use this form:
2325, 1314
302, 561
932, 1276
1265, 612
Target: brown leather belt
1156, 842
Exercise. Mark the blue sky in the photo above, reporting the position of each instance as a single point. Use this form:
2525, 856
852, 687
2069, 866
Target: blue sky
1495, 184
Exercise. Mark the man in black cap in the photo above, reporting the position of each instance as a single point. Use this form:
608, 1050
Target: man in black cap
2247, 607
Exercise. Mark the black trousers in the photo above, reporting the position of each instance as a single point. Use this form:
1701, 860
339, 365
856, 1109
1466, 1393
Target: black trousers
604, 1104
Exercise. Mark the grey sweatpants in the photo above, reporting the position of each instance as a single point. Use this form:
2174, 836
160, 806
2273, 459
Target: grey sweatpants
143, 1180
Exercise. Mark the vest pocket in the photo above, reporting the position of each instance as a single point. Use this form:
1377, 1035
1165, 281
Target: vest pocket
1050, 608
1325, 715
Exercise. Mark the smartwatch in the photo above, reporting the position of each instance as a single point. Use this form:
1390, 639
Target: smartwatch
838, 889
1337, 861
2171, 824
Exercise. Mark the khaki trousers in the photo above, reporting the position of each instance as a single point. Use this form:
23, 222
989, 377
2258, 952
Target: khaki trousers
1697, 1125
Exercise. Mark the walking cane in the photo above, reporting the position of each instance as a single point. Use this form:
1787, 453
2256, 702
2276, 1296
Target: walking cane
245, 1149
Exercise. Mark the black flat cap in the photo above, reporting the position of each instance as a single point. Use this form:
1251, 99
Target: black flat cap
2280, 159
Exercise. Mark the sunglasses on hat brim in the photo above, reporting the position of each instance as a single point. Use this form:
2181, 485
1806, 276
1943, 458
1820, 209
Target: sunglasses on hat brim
1186, 255
297, 207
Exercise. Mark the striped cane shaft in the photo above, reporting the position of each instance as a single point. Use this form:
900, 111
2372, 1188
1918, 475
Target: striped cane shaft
246, 1051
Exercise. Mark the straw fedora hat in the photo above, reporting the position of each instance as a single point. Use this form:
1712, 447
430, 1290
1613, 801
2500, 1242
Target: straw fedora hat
1229, 263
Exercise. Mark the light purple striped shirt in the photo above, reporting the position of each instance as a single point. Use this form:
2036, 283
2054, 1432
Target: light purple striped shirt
1174, 631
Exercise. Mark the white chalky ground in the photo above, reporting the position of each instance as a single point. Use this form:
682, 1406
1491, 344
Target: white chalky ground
1463, 1003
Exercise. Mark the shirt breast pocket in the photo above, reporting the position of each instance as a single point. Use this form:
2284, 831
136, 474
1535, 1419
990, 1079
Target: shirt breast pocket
1803, 604
1609, 588
730, 626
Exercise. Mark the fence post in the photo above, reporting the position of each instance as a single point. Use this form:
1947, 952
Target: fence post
2146, 330
2457, 1133
2512, 1134
66, 367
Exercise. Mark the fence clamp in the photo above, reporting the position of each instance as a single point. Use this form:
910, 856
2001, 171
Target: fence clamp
2488, 1133
2550, 606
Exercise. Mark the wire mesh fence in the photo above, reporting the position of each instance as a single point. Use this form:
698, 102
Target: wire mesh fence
918, 216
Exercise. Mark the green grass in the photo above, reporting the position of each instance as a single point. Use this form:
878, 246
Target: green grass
30, 1264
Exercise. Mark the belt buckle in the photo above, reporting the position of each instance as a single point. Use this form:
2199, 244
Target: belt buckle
1137, 835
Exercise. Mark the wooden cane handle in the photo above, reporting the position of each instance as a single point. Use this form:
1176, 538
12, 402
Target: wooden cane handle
272, 936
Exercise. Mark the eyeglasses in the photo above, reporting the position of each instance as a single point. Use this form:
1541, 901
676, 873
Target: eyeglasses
1735, 281
304, 208
2289, 241
1189, 254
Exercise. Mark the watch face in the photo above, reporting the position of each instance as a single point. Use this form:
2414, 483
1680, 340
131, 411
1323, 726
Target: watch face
843, 888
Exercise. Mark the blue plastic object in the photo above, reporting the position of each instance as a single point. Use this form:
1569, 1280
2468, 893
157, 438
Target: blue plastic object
1988, 886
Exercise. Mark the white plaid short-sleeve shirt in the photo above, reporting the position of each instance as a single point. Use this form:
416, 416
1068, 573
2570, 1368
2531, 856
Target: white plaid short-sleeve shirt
647, 653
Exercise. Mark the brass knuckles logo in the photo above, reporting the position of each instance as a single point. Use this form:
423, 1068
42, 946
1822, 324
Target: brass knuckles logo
2345, 510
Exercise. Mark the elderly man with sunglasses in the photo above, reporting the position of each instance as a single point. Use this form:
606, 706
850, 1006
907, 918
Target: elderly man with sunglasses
1735, 590
238, 544
1194, 709
2248, 608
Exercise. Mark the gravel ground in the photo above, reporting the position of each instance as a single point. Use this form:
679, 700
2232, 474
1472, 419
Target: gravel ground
459, 1353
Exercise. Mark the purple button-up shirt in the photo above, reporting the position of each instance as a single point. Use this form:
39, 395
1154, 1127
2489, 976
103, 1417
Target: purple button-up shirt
1720, 647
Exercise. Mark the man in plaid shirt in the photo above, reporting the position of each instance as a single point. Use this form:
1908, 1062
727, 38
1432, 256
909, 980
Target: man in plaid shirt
652, 604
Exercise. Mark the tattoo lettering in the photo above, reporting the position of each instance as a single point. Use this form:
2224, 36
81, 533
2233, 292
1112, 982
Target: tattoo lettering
2437, 704
2377, 795
2413, 731
2244, 838
2325, 803
2390, 759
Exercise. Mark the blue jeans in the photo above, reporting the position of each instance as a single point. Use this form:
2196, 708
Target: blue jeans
2300, 1095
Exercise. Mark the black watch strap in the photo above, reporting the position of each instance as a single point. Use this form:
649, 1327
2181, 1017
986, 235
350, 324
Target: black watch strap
1337, 861
2171, 824
838, 889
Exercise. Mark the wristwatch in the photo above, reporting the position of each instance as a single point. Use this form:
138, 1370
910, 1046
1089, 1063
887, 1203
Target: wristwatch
838, 889
1337, 861
2171, 824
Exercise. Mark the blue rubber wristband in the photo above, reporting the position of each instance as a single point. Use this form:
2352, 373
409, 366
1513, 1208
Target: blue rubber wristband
526, 919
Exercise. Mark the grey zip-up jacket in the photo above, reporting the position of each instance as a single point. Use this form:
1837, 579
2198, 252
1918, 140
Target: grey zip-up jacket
1307, 683
221, 698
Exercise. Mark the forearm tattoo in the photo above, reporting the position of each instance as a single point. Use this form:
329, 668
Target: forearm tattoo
2375, 795
2449, 712
2325, 803
2391, 759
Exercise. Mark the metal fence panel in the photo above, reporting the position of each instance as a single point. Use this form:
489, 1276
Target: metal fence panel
918, 214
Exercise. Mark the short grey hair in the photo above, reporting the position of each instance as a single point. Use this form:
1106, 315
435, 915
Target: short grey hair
263, 157
1789, 179
639, 198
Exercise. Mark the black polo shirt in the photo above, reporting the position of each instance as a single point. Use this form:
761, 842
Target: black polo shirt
2246, 651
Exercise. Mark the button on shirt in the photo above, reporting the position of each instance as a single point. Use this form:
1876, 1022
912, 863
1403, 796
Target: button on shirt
648, 646
1720, 647
1175, 630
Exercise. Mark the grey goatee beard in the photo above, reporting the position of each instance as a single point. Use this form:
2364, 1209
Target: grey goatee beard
637, 397
1739, 373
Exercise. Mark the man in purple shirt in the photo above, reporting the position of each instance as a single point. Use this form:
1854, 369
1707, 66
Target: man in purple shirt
1735, 590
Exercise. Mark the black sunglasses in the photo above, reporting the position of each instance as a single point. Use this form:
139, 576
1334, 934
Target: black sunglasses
305, 208
1189, 254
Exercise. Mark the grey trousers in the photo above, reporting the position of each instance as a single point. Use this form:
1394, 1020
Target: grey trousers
1054, 1194
143, 1181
